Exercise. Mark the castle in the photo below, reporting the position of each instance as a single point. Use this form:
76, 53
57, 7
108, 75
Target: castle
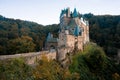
73, 33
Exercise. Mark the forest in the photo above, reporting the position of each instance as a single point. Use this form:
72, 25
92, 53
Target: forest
105, 31
14, 33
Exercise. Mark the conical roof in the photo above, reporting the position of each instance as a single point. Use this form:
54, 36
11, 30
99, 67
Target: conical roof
75, 14
49, 36
77, 31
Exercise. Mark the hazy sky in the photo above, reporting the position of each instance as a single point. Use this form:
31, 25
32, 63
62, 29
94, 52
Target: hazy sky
47, 11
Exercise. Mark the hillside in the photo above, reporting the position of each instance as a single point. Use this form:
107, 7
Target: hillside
15, 34
104, 30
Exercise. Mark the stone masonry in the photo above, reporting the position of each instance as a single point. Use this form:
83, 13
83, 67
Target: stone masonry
73, 33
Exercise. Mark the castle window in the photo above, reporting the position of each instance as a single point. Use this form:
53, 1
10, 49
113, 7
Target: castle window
80, 33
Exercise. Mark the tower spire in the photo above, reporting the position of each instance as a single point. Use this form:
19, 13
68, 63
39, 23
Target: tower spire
75, 13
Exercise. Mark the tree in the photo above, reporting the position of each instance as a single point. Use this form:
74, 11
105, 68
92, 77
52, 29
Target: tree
21, 45
51, 70
93, 64
15, 69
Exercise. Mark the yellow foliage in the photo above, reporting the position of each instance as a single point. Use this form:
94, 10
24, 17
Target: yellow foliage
50, 70
116, 76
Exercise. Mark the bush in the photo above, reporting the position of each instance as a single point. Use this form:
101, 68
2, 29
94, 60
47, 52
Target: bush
93, 64
15, 69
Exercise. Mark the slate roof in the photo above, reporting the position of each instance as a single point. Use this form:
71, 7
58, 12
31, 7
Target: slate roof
75, 13
77, 31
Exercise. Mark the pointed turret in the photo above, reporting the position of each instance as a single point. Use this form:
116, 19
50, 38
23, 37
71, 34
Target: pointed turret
77, 31
75, 13
62, 13
65, 12
49, 36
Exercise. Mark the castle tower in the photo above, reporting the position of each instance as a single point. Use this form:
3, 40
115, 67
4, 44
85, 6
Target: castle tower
78, 29
68, 12
51, 42
64, 18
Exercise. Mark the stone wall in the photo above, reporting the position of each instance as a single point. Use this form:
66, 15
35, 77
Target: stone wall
31, 58
62, 52
70, 41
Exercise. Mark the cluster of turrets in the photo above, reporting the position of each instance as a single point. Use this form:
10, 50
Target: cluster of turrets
66, 12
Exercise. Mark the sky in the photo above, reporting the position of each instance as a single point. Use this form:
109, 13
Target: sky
47, 12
